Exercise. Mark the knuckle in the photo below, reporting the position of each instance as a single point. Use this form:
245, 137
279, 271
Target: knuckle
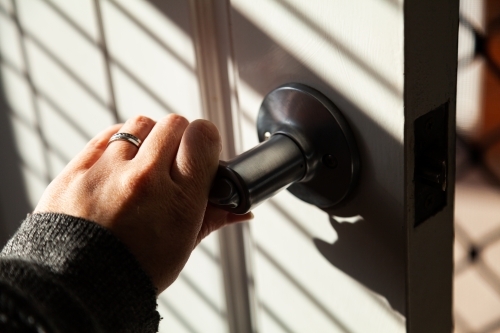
142, 180
97, 143
136, 181
175, 119
206, 133
207, 129
141, 121
100, 141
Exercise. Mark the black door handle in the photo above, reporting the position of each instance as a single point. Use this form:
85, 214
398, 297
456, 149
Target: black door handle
306, 144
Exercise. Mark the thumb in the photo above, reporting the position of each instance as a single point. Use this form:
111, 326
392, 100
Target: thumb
216, 218
197, 158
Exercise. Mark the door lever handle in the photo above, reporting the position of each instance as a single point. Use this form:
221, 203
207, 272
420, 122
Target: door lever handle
306, 145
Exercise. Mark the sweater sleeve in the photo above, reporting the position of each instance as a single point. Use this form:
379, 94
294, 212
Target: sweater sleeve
76, 275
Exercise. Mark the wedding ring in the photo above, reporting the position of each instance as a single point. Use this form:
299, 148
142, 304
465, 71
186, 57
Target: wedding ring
126, 137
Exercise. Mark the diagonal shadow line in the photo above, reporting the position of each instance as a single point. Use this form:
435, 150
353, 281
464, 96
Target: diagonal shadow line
466, 242
82, 85
490, 238
70, 21
43, 96
11, 65
293, 221
393, 89
275, 318
42, 176
59, 154
203, 296
49, 148
208, 253
492, 327
488, 275
151, 34
64, 115
468, 59
480, 39
39, 175
462, 323
180, 318
246, 117
461, 235
466, 165
18, 116
302, 289
113, 60
60, 63
105, 54
142, 85
461, 267
395, 3
462, 19
34, 101
89, 90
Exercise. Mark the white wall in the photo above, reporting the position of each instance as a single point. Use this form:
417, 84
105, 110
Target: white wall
152, 65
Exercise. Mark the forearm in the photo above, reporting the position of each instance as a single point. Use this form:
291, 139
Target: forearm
79, 276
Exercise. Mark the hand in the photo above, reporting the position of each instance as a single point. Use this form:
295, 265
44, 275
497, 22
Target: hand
153, 198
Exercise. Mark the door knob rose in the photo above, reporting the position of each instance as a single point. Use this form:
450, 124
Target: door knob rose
306, 146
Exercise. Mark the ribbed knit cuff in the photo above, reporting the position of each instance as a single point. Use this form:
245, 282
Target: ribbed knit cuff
87, 262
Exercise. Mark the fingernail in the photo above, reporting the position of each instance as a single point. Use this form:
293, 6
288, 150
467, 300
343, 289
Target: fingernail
251, 216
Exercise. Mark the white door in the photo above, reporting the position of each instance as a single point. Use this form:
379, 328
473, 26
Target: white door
382, 260
379, 262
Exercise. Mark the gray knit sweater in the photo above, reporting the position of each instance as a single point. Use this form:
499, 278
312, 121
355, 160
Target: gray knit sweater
64, 274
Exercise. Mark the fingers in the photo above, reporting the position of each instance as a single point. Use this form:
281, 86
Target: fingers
160, 146
234, 218
198, 157
216, 218
140, 127
94, 149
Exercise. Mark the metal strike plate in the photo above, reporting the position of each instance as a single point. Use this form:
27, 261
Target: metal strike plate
431, 163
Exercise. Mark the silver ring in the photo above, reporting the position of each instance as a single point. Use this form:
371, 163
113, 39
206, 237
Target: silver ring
126, 137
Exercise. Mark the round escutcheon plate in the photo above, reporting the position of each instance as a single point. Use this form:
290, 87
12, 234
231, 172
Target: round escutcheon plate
320, 130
